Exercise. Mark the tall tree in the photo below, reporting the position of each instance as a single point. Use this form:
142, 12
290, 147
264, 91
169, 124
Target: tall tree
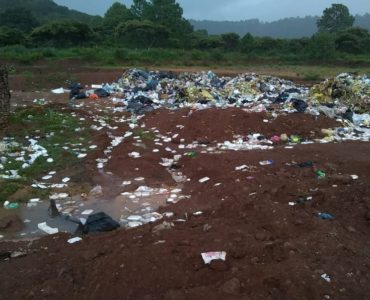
143, 34
4, 97
139, 9
116, 14
169, 13
231, 41
335, 18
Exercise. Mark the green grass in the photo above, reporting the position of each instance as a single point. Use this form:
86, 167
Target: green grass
145, 135
8, 188
110, 56
41, 122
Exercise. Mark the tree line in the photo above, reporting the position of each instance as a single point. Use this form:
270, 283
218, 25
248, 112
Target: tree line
160, 24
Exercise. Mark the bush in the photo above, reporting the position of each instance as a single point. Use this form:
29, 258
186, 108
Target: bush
321, 47
62, 34
9, 36
353, 41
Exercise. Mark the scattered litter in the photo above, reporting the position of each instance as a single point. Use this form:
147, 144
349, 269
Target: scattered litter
134, 155
326, 277
320, 174
266, 162
134, 218
210, 256
10, 205
205, 179
87, 212
34, 200
49, 230
66, 179
99, 222
325, 216
241, 168
58, 196
58, 91
191, 154
74, 240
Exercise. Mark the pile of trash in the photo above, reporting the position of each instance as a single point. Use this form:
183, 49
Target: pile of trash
144, 91
138, 91
347, 90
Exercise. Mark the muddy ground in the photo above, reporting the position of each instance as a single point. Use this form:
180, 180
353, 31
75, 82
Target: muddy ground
264, 217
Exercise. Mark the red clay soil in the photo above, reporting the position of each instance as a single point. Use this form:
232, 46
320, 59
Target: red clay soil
147, 165
274, 251
222, 124
52, 74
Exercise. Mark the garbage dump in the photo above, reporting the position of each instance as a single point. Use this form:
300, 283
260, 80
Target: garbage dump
140, 92
346, 96
200, 176
352, 91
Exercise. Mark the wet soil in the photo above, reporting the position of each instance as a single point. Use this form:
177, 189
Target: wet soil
274, 251
263, 217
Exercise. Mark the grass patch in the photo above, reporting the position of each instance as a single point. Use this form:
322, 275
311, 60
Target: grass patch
103, 56
312, 77
145, 135
55, 131
8, 188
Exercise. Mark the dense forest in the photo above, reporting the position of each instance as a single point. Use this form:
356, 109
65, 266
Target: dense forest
285, 28
26, 25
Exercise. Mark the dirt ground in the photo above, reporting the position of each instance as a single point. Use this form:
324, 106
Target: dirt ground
50, 75
275, 250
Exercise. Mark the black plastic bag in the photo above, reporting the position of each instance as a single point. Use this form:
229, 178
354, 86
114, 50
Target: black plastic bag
99, 222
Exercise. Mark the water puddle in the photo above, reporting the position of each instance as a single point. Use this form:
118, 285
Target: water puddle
129, 206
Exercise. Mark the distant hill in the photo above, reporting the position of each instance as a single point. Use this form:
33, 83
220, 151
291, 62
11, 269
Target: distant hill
47, 10
285, 28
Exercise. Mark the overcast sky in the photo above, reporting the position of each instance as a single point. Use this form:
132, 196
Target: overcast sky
266, 10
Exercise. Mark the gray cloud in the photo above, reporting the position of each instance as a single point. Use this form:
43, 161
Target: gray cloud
265, 10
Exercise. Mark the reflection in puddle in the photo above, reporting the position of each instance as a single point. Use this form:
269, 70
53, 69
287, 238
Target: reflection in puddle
129, 207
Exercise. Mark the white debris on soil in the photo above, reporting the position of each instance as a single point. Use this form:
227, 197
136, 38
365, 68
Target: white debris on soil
74, 240
208, 257
49, 230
